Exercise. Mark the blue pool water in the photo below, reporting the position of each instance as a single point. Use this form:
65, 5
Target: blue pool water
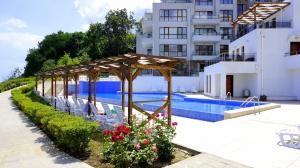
202, 109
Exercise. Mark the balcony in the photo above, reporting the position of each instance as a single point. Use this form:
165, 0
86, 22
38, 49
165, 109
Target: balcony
147, 22
266, 25
208, 37
205, 20
251, 57
176, 1
205, 55
147, 40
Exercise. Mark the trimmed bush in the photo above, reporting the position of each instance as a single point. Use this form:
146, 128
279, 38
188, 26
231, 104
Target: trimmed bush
13, 83
70, 133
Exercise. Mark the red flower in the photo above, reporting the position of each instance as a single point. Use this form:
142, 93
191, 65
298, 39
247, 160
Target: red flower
163, 114
154, 148
106, 132
146, 142
121, 138
114, 138
137, 146
174, 124
157, 115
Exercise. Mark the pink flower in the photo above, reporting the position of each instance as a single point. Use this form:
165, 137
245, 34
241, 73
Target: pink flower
154, 148
146, 142
137, 146
174, 124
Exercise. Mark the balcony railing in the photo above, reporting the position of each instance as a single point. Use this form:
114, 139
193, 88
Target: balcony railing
267, 25
204, 3
207, 34
176, 1
205, 53
205, 17
232, 58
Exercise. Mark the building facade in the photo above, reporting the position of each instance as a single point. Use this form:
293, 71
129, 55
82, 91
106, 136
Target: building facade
264, 60
195, 30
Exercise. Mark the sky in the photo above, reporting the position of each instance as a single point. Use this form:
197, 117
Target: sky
23, 23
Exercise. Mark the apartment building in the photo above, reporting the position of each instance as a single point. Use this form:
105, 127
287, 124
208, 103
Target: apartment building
264, 59
195, 30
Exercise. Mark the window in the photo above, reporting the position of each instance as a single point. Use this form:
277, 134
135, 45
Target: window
171, 15
205, 31
204, 2
149, 51
224, 49
173, 33
226, 1
203, 14
204, 50
173, 50
226, 15
226, 33
241, 8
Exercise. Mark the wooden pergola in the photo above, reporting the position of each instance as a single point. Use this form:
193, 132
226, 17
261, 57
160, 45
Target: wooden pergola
259, 12
126, 67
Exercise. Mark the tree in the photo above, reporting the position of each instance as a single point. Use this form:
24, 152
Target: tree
17, 72
48, 65
67, 60
117, 27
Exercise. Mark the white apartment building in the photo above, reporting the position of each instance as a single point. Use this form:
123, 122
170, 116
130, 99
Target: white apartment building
264, 59
196, 30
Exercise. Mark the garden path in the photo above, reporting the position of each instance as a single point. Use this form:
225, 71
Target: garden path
23, 145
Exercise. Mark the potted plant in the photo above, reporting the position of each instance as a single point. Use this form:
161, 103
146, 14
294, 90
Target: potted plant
263, 98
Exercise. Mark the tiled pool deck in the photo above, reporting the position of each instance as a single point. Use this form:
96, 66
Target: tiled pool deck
250, 140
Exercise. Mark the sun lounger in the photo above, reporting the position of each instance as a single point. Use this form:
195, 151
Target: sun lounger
182, 89
290, 138
194, 90
117, 120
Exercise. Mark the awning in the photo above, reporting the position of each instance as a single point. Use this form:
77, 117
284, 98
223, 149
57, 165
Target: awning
259, 11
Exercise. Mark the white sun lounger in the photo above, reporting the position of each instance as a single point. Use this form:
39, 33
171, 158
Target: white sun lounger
194, 90
290, 138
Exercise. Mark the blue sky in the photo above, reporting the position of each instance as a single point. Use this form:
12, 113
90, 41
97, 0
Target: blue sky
23, 23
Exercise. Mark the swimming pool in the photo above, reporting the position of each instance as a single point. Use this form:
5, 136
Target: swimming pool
202, 109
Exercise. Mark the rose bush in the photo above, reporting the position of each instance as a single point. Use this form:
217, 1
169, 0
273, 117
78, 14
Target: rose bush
137, 146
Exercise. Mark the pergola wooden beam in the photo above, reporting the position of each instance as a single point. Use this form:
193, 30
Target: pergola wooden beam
259, 11
127, 66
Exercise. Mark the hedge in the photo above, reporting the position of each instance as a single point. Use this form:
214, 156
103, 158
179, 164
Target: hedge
13, 83
71, 134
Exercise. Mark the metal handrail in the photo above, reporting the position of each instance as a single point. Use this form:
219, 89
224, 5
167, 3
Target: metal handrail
253, 99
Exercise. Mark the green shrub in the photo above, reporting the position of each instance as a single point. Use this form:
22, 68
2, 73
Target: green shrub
13, 83
70, 133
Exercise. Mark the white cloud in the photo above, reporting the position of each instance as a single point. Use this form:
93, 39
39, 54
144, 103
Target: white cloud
95, 10
20, 40
14, 23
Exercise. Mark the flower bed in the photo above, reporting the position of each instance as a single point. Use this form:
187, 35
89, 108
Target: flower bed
72, 134
136, 146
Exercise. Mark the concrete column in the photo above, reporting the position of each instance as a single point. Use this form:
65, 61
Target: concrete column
223, 85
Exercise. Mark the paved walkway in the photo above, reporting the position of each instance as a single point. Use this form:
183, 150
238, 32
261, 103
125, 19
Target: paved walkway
250, 140
22, 145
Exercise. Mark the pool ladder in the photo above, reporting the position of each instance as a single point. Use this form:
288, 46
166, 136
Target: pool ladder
255, 101
225, 99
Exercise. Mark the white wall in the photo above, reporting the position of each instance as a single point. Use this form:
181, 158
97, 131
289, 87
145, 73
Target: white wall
296, 83
158, 83
242, 82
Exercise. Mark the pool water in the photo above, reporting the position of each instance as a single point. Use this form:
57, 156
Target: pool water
202, 109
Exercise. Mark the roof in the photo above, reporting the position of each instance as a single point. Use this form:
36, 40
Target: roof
259, 12
117, 63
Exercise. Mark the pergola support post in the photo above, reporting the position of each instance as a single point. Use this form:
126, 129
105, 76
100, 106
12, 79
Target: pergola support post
89, 93
130, 94
123, 95
52, 88
95, 89
67, 86
64, 85
169, 96
43, 86
76, 77
36, 83
55, 86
